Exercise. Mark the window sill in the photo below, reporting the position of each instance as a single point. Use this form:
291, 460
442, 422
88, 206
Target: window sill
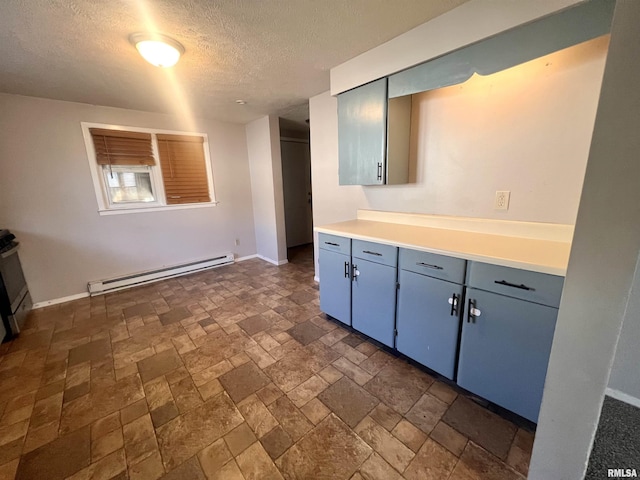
121, 211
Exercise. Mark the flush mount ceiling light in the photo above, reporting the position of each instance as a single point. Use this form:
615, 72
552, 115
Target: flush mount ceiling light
157, 49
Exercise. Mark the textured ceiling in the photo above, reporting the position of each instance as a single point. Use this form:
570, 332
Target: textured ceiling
274, 54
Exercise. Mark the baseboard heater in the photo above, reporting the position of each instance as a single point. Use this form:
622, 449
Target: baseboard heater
127, 281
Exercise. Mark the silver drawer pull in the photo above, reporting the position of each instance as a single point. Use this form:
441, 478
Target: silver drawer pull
333, 244
372, 253
522, 286
428, 265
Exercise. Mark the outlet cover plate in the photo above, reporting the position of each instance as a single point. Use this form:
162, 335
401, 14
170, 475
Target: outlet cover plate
502, 200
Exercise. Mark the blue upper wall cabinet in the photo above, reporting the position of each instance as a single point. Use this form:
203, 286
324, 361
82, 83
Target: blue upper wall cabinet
373, 136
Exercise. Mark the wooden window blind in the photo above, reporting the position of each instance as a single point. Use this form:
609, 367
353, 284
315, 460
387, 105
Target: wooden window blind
184, 171
117, 147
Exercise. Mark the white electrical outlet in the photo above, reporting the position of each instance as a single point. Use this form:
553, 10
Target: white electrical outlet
502, 200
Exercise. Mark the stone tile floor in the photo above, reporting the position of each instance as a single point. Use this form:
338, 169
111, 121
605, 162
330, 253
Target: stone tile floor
232, 373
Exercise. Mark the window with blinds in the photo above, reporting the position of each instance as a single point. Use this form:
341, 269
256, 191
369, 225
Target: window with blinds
184, 172
132, 167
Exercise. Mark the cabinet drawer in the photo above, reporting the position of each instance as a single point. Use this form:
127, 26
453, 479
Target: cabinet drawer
437, 266
375, 252
334, 243
531, 286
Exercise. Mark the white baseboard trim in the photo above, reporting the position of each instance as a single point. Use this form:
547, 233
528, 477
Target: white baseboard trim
248, 257
623, 397
273, 262
55, 301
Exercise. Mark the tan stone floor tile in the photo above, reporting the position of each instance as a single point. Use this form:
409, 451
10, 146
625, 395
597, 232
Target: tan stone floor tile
481, 426
399, 385
478, 464
334, 336
213, 457
255, 464
408, 434
239, 359
269, 394
427, 412
160, 364
307, 390
158, 393
367, 348
211, 373
352, 371
520, 452
348, 401
48, 390
443, 392
107, 444
163, 414
103, 426
183, 344
239, 439
189, 470
230, 471
58, 459
13, 432
257, 415
376, 362
260, 356
385, 416
177, 375
288, 373
291, 419
266, 341
150, 468
37, 437
375, 468
449, 438
8, 470
315, 411
187, 434
139, 439
276, 442
349, 352
127, 371
186, 395
78, 374
316, 452
133, 411
432, 462
210, 389
243, 381
396, 453
330, 374
105, 469
15, 416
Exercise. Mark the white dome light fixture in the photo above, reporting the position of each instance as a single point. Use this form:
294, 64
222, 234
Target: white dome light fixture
157, 49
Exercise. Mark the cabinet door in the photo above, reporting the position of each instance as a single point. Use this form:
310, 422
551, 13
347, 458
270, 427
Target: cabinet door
427, 324
505, 350
362, 133
335, 285
373, 293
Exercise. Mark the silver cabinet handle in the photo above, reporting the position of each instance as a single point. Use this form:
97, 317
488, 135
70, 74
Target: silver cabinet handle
372, 253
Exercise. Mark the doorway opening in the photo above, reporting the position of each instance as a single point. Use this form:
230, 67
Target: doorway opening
296, 185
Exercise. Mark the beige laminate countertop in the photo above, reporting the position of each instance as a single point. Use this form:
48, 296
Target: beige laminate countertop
542, 256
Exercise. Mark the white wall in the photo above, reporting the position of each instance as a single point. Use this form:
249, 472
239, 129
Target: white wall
625, 374
263, 145
47, 199
604, 253
526, 130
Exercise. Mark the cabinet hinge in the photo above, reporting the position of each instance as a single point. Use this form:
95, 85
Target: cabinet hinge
395, 332
397, 286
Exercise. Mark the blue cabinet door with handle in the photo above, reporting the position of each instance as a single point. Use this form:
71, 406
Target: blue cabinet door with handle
362, 134
373, 291
504, 350
428, 321
335, 284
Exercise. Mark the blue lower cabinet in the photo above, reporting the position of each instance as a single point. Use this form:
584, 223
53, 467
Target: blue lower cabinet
428, 321
335, 285
373, 291
504, 350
